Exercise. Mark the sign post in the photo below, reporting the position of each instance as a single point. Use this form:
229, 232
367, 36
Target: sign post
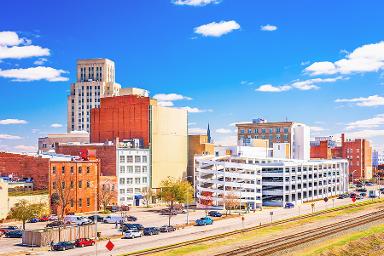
271, 213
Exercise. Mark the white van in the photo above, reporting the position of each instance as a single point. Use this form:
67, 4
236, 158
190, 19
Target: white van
78, 220
113, 219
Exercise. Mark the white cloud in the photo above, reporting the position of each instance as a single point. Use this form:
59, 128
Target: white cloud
366, 123
56, 125
366, 58
9, 137
197, 131
12, 121
195, 110
165, 103
223, 131
240, 122
195, 2
268, 27
26, 148
217, 29
40, 61
370, 101
317, 129
191, 123
10, 38
271, 88
34, 74
170, 97
365, 134
227, 141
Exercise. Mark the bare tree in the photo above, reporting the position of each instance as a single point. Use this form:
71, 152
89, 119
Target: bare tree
231, 201
106, 193
63, 193
148, 195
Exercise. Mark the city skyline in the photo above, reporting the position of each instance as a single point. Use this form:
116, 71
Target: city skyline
223, 61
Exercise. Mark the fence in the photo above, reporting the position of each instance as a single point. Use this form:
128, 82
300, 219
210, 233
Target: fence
44, 237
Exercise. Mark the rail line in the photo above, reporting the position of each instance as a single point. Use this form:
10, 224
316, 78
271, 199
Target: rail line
277, 245
240, 231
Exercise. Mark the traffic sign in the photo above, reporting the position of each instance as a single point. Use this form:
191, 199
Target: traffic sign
325, 199
353, 199
110, 245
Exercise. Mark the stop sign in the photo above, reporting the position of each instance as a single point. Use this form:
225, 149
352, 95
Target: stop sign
353, 199
325, 199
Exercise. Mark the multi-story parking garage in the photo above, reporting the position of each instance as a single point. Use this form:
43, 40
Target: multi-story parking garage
272, 182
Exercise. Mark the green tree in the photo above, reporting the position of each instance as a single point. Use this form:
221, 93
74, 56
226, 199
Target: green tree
175, 191
23, 210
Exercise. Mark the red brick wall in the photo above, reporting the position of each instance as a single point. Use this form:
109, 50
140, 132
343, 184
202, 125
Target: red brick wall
322, 151
123, 117
105, 153
24, 166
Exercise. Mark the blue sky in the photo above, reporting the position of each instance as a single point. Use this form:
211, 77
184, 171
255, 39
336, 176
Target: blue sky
316, 62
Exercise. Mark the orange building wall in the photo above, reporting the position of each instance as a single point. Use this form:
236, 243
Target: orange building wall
24, 166
123, 117
76, 193
197, 145
321, 151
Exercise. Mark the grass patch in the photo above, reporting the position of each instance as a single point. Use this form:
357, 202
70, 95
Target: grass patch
28, 193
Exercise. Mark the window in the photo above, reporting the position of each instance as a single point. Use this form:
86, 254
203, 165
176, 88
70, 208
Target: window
122, 169
80, 169
62, 169
129, 180
72, 203
54, 185
88, 169
122, 159
144, 180
72, 184
145, 169
53, 169
263, 130
122, 191
122, 181
80, 184
129, 159
285, 137
270, 130
63, 185
137, 169
72, 170
88, 201
130, 190
285, 130
277, 130
249, 130
137, 180
130, 169
144, 159
256, 130
242, 131
80, 202
88, 184
137, 190
137, 159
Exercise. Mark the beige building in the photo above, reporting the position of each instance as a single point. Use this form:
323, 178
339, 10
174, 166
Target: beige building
95, 80
48, 143
3, 199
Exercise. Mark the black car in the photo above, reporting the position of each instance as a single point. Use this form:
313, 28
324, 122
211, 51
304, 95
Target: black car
131, 218
14, 234
151, 231
215, 214
98, 217
62, 246
127, 226
55, 224
167, 228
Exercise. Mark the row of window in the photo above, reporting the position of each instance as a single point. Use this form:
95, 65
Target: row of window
71, 169
265, 130
138, 180
130, 190
129, 159
80, 202
270, 137
350, 150
129, 169
71, 184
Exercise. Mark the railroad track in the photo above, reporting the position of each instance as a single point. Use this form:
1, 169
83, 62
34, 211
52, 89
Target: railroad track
277, 245
235, 232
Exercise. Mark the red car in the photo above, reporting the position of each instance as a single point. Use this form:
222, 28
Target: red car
81, 242
44, 219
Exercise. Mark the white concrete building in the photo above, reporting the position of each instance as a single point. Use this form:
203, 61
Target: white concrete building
133, 172
282, 180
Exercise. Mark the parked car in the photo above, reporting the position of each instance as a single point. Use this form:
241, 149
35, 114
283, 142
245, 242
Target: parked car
62, 246
369, 184
215, 214
204, 221
78, 220
2, 233
166, 229
55, 224
289, 206
363, 194
168, 211
113, 208
133, 233
359, 197
98, 217
110, 219
361, 190
131, 218
44, 219
151, 231
33, 220
342, 196
374, 193
352, 195
82, 242
53, 218
127, 226
14, 234
8, 228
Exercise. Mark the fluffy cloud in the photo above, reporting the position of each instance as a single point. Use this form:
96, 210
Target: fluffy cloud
13, 47
34, 74
367, 123
9, 137
366, 134
268, 28
271, 88
370, 101
197, 131
217, 29
56, 125
12, 121
195, 2
223, 131
195, 110
170, 97
40, 61
25, 148
366, 58
317, 129
165, 103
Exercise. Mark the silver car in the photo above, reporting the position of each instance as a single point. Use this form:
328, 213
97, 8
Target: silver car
132, 234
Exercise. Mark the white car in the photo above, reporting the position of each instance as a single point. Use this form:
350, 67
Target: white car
132, 234
113, 219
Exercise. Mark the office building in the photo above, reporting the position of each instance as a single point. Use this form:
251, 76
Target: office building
296, 134
95, 79
47, 143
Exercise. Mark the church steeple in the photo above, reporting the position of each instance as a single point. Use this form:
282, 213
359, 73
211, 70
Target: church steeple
209, 134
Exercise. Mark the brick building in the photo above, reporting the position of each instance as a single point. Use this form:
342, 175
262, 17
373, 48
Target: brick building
320, 150
73, 183
26, 166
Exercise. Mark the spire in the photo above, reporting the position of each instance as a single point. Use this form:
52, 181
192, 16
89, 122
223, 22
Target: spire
209, 134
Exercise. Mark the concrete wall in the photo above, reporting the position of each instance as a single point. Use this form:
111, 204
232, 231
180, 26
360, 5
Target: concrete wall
3, 199
169, 139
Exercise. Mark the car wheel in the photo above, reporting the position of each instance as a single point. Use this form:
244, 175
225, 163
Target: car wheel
82, 245
63, 248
